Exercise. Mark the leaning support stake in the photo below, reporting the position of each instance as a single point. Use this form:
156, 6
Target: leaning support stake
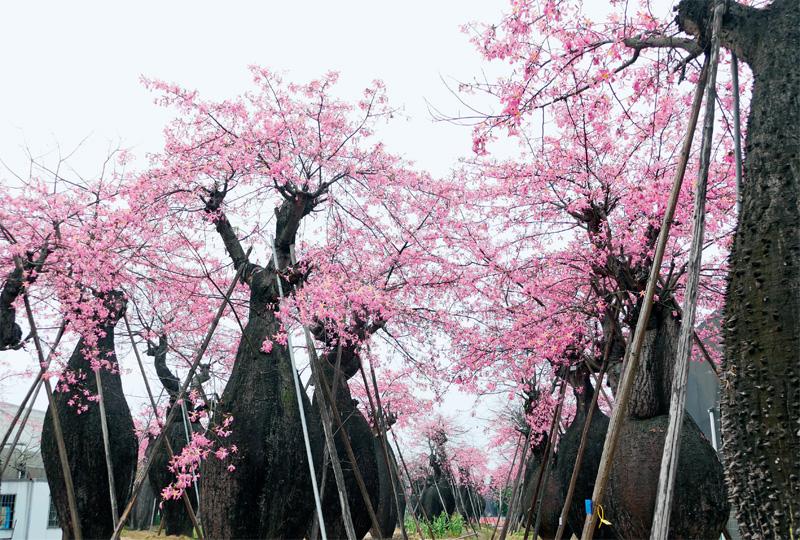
32, 394
349, 449
632, 359
137, 486
632, 355
669, 459
382, 431
512, 506
298, 389
168, 445
62, 449
542, 477
508, 479
112, 490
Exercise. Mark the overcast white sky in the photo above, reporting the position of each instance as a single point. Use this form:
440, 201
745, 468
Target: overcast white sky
71, 70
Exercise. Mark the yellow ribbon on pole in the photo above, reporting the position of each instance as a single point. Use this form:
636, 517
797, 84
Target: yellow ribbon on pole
601, 516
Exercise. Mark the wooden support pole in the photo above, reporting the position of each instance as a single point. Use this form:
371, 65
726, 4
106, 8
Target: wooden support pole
137, 486
542, 477
511, 514
330, 441
349, 449
418, 493
33, 393
112, 490
635, 347
382, 431
168, 445
508, 479
59, 434
562, 520
669, 458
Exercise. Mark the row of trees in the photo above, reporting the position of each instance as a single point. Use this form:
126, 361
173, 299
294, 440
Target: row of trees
504, 273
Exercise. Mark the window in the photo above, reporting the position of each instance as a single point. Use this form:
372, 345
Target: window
7, 511
52, 516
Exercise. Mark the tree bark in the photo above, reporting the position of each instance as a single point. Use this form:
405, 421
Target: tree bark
173, 511
84, 442
761, 385
269, 493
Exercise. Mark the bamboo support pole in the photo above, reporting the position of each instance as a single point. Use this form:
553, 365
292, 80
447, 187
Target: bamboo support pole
382, 429
511, 514
349, 449
330, 442
418, 493
508, 479
59, 434
32, 394
635, 347
168, 445
737, 130
669, 458
112, 489
542, 477
173, 412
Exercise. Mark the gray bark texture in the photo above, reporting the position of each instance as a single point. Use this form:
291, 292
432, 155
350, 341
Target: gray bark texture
84, 442
761, 386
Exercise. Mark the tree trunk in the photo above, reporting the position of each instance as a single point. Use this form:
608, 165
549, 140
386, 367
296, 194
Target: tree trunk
700, 506
761, 387
653, 383
173, 511
385, 508
269, 494
84, 442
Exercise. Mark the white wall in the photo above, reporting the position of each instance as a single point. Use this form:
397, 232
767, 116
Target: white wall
30, 511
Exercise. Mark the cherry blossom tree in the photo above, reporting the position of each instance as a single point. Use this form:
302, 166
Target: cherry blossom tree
611, 84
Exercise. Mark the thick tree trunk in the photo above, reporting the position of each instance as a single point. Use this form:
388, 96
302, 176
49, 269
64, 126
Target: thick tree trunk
173, 511
84, 442
761, 386
269, 494
700, 506
653, 383
142, 513
434, 495
385, 507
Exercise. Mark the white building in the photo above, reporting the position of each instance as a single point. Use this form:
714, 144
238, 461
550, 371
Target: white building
26, 511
